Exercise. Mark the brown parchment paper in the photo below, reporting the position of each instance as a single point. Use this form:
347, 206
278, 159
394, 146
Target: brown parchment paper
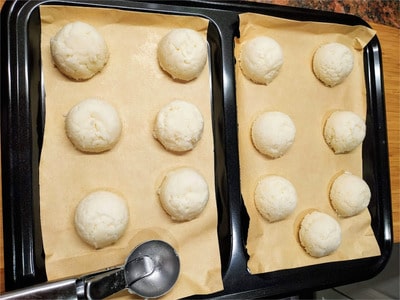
134, 83
310, 164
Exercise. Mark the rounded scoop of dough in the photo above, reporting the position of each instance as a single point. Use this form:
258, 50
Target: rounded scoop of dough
101, 218
332, 63
79, 51
275, 198
273, 133
320, 234
183, 194
349, 195
93, 125
182, 53
261, 59
179, 126
344, 131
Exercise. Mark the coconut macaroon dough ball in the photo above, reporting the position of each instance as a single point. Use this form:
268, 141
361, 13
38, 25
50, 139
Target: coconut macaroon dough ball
101, 218
261, 59
349, 195
275, 198
182, 53
183, 194
319, 234
273, 133
93, 125
79, 51
179, 126
344, 131
332, 63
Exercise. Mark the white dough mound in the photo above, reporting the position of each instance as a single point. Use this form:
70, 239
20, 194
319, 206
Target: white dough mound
344, 131
183, 194
320, 234
101, 218
275, 198
349, 195
273, 133
179, 126
79, 51
261, 59
182, 53
332, 63
93, 125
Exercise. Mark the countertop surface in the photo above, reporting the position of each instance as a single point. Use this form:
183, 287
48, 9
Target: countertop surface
383, 16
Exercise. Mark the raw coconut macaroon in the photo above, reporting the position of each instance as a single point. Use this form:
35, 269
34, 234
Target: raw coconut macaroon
101, 218
349, 195
183, 194
320, 234
273, 133
179, 126
93, 125
275, 198
261, 59
332, 63
344, 131
182, 53
79, 51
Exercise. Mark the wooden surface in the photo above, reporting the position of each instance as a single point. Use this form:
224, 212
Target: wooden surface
389, 38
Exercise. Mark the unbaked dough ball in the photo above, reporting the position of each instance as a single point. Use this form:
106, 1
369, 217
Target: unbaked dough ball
183, 194
79, 51
182, 53
344, 131
349, 195
332, 63
261, 59
179, 126
320, 234
275, 198
101, 218
93, 125
273, 133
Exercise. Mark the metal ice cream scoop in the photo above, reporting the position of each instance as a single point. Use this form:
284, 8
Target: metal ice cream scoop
150, 271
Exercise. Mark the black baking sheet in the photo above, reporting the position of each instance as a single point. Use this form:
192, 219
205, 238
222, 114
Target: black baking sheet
22, 125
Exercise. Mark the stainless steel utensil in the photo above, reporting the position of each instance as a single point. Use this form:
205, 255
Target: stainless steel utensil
150, 271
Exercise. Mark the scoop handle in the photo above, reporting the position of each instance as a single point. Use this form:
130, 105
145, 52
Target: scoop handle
115, 280
64, 289
106, 284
